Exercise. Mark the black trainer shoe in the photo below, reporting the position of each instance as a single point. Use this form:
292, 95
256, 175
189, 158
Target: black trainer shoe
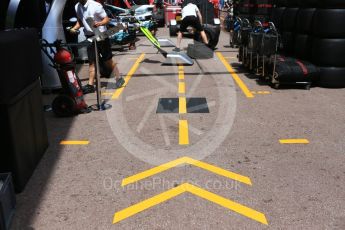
176, 49
119, 83
88, 89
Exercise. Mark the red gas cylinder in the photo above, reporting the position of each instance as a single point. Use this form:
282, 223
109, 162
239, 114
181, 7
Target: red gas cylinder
63, 56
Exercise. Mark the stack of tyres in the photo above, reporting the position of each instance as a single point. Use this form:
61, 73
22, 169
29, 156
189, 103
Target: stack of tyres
313, 30
277, 17
246, 8
328, 46
303, 31
262, 10
288, 30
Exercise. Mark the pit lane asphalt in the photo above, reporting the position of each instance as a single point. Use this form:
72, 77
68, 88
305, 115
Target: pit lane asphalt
294, 186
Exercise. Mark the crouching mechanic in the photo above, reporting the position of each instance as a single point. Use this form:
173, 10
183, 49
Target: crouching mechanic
191, 16
90, 8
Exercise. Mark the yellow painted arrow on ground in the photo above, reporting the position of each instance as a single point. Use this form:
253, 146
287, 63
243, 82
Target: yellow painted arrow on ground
186, 160
160, 198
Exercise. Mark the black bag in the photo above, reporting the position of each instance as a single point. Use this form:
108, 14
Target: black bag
292, 71
199, 51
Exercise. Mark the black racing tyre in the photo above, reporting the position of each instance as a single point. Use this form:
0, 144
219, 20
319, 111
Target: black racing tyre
207, 11
331, 3
263, 7
328, 52
211, 37
302, 46
289, 19
304, 20
308, 3
332, 77
64, 106
277, 16
245, 7
281, 2
288, 41
173, 30
287, 3
329, 23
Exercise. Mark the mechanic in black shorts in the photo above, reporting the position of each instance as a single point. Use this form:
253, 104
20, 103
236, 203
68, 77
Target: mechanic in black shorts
90, 8
191, 16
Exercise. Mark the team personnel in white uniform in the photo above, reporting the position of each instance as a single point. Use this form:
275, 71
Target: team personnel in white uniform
93, 9
191, 16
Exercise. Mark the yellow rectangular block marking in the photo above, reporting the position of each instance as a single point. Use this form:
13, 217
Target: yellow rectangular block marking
294, 141
183, 132
236, 78
182, 104
181, 87
129, 75
74, 142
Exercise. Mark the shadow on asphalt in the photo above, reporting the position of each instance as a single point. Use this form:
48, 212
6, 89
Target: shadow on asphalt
30, 199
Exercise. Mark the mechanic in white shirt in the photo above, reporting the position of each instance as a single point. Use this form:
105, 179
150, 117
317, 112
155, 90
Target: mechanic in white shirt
93, 9
191, 16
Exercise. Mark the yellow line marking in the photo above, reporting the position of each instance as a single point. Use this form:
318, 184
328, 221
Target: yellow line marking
181, 87
202, 193
146, 204
294, 141
181, 75
134, 68
186, 160
183, 132
107, 94
234, 75
261, 92
226, 203
182, 102
74, 142
180, 67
